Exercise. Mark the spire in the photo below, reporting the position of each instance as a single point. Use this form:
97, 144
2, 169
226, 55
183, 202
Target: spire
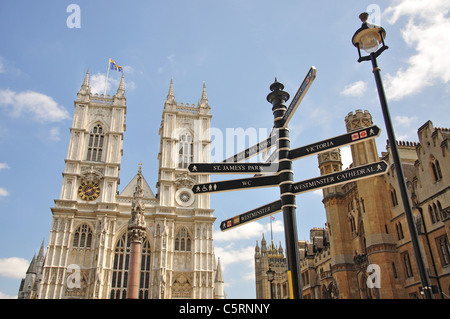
219, 274
31, 267
219, 292
86, 79
84, 90
121, 89
41, 250
204, 100
170, 96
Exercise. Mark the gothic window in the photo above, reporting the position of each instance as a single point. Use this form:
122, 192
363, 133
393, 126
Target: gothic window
430, 211
436, 212
394, 197
444, 249
185, 150
183, 240
82, 237
119, 282
407, 264
95, 144
400, 231
352, 225
436, 168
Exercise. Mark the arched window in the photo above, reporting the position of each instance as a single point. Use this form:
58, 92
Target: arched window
394, 197
436, 212
185, 150
183, 240
430, 211
82, 237
119, 282
436, 168
95, 144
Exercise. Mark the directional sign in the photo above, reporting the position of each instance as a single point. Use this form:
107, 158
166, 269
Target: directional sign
333, 179
338, 141
252, 151
232, 168
223, 186
251, 215
298, 97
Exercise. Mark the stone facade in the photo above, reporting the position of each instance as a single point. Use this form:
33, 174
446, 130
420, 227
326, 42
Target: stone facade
365, 250
89, 249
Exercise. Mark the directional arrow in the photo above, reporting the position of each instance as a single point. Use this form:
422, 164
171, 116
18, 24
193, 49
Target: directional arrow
251, 182
252, 151
338, 141
232, 168
251, 215
298, 97
342, 177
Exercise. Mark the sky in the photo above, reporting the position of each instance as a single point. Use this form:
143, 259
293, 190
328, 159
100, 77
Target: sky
236, 48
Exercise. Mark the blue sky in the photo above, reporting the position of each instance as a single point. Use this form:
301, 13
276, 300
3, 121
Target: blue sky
237, 48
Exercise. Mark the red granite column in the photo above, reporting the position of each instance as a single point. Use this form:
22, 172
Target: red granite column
136, 236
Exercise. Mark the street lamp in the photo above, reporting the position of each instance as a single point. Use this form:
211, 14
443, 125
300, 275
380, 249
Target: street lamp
369, 37
270, 277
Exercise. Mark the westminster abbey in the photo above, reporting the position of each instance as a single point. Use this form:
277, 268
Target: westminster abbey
88, 253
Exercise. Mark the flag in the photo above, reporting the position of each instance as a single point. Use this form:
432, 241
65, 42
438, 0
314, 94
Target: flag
113, 66
272, 218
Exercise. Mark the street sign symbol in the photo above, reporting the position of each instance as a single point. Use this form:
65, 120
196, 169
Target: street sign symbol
352, 174
223, 186
232, 168
251, 215
298, 97
338, 141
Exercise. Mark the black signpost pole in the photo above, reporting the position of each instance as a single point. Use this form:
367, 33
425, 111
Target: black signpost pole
278, 99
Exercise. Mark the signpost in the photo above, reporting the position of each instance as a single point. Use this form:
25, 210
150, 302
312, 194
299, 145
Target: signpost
232, 168
298, 97
352, 174
251, 215
223, 186
282, 172
324, 181
366, 133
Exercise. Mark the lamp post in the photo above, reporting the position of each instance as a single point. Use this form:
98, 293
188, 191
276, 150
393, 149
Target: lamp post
369, 37
270, 277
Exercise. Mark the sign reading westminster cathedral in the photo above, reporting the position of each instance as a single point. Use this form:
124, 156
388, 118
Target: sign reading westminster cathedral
88, 252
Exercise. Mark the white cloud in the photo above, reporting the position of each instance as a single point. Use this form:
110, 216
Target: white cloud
356, 89
6, 296
97, 83
405, 121
229, 255
3, 192
42, 107
54, 134
426, 31
13, 267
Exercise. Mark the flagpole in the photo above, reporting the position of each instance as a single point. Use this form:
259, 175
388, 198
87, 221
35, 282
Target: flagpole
107, 74
271, 234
